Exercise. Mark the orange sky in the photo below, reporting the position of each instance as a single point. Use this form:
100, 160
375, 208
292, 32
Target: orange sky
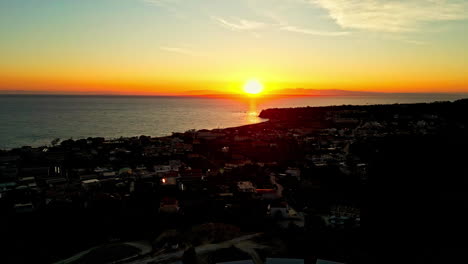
178, 48
133, 87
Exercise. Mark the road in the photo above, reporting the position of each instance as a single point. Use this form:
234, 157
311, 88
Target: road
243, 243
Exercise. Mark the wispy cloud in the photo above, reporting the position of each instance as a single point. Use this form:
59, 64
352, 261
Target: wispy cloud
314, 32
254, 26
180, 50
240, 24
392, 15
415, 42
282, 24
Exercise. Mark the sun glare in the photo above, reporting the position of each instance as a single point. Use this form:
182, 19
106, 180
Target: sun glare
253, 87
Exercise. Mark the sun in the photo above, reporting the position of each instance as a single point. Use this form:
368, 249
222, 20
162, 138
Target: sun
253, 87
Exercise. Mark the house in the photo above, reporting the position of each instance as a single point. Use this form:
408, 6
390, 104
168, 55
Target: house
8, 168
294, 172
162, 168
238, 138
192, 182
5, 186
169, 205
101, 170
12, 159
56, 182
44, 174
125, 171
90, 184
180, 148
341, 216
168, 181
146, 175
175, 164
191, 173
279, 210
109, 174
260, 144
245, 186
207, 135
269, 194
8, 172
361, 170
27, 180
24, 207
169, 178
88, 176
37, 172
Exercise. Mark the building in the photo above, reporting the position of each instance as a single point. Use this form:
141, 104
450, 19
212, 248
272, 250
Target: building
245, 186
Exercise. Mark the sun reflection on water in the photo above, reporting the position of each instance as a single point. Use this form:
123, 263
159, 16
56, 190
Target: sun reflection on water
253, 112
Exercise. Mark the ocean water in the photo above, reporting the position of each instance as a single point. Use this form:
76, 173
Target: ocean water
36, 120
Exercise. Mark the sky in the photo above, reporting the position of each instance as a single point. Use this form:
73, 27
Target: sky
193, 46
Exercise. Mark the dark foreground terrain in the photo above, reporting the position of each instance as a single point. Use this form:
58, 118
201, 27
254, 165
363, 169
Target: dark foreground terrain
290, 190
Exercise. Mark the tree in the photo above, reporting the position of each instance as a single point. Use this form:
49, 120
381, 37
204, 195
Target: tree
55, 142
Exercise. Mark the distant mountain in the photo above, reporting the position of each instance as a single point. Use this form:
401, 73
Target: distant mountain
287, 92
320, 92
26, 92
205, 92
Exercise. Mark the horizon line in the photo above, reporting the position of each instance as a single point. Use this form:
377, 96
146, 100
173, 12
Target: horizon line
338, 92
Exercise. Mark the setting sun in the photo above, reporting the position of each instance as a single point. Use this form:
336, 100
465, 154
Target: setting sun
253, 87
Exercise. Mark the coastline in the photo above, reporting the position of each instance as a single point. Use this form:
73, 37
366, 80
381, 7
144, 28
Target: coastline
35, 121
305, 175
270, 115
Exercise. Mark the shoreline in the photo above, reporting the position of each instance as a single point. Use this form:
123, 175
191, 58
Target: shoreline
309, 163
264, 114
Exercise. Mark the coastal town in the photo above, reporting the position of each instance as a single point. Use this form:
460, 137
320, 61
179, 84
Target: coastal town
292, 189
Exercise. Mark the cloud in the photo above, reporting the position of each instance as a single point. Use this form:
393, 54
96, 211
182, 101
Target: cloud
415, 42
241, 25
315, 32
253, 26
180, 50
392, 15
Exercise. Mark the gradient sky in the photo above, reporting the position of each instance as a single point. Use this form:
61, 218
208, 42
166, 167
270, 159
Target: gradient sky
176, 46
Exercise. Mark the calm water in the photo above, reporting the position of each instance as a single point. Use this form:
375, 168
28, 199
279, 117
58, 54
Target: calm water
36, 120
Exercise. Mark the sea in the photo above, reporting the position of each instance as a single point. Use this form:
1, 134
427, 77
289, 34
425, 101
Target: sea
36, 120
